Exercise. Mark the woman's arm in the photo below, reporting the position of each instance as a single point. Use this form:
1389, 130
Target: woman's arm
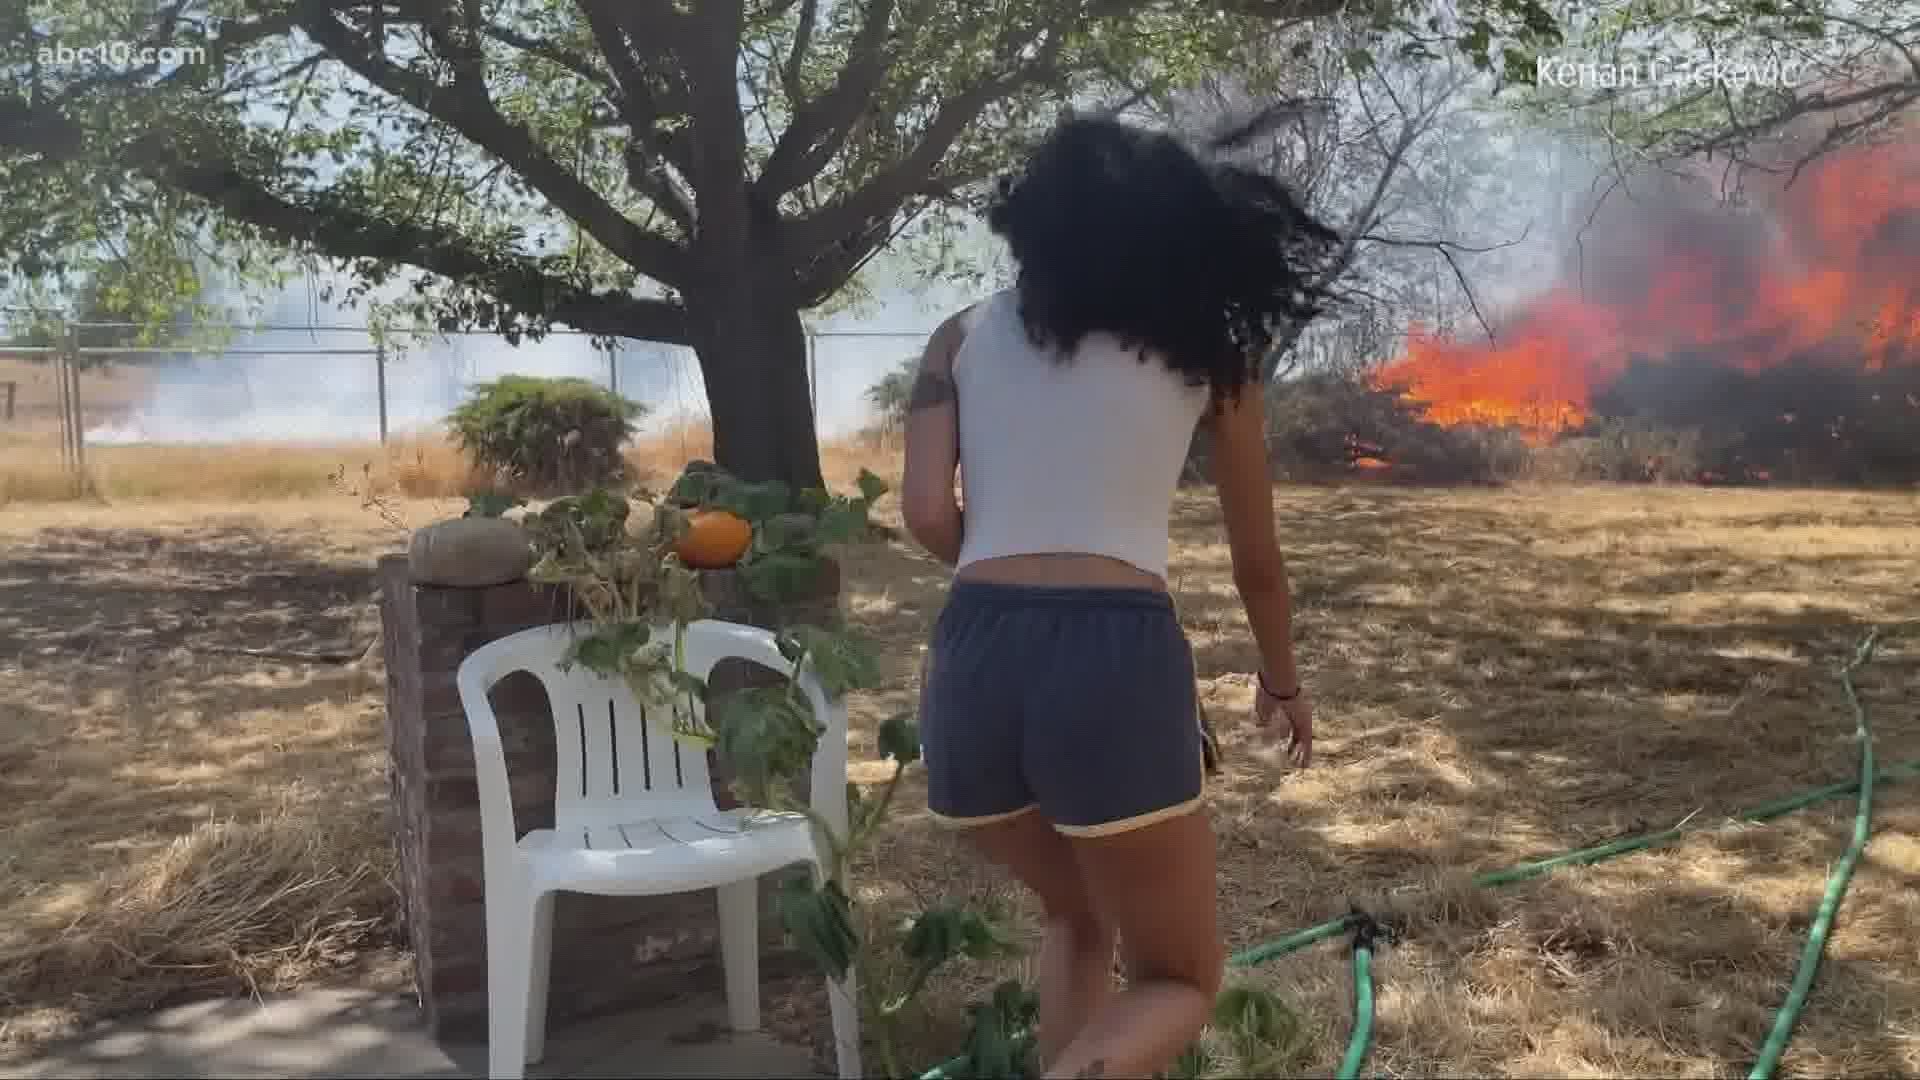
927, 495
1238, 455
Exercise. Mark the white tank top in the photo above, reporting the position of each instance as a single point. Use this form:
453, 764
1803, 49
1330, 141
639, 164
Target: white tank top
1077, 457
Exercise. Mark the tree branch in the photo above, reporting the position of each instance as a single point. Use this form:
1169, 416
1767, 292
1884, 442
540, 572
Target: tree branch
192, 162
819, 128
468, 109
707, 45
797, 58
868, 209
656, 155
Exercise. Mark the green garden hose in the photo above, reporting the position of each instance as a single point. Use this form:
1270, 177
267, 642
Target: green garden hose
1837, 880
1364, 932
1300, 939
1360, 1041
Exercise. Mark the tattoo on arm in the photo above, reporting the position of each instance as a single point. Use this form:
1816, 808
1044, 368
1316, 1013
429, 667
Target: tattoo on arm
931, 388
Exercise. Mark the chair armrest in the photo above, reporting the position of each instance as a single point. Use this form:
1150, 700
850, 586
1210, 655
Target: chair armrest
498, 835
827, 779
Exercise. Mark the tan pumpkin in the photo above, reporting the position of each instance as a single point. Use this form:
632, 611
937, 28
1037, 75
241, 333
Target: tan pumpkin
469, 553
714, 540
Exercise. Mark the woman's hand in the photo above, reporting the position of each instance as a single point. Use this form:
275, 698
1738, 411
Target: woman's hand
1296, 712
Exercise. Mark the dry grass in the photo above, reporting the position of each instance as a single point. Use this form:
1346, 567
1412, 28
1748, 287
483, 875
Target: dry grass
181, 817
1503, 676
1500, 676
415, 467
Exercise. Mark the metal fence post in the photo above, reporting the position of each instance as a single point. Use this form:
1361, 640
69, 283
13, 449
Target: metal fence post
380, 378
813, 377
73, 423
60, 402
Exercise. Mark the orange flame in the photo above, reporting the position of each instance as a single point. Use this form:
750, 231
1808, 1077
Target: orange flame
1838, 281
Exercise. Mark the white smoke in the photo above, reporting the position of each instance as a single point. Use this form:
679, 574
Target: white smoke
322, 385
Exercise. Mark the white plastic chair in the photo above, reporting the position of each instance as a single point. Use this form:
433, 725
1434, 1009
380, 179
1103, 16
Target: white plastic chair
633, 816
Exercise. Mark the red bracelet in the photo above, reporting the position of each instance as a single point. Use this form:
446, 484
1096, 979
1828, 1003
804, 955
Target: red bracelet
1268, 690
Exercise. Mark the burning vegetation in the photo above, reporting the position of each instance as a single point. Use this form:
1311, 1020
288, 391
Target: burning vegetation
1780, 340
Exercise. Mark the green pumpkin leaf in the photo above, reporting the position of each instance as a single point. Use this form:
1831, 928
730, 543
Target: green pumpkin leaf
899, 738
842, 662
819, 919
768, 736
842, 523
780, 576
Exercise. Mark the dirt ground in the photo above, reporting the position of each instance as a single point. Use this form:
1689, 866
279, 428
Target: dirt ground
1499, 676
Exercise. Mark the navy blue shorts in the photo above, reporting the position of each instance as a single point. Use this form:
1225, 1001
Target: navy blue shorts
1076, 702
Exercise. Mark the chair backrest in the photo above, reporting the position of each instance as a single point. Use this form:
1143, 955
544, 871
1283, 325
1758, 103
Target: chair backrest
616, 760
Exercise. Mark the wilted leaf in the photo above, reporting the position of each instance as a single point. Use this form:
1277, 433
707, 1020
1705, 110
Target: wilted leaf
820, 921
491, 504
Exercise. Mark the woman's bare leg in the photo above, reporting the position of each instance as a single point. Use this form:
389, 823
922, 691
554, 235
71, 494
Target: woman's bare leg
1076, 953
1156, 885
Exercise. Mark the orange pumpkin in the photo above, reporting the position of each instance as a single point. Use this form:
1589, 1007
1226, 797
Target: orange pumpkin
714, 540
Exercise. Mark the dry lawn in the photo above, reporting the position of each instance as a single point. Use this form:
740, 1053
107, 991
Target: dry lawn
1500, 676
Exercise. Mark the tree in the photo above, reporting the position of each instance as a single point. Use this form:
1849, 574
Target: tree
1364, 141
1739, 85
889, 395
690, 173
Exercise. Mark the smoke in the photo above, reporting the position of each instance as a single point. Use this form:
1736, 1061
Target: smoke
322, 386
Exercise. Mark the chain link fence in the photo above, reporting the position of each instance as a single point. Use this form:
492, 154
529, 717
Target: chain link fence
80, 386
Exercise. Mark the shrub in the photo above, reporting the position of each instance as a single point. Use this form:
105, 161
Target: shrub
1625, 450
1324, 422
546, 435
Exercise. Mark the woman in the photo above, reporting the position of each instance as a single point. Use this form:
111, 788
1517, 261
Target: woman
1058, 708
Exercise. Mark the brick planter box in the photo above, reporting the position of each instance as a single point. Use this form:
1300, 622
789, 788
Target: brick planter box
610, 953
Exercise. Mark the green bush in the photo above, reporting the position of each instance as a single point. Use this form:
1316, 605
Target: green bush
546, 435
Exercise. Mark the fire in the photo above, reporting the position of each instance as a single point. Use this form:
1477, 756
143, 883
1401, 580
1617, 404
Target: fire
1829, 274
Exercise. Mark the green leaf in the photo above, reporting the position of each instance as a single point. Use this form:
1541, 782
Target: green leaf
768, 736
992, 1047
780, 576
871, 486
899, 738
1359, 60
842, 662
843, 523
820, 921
606, 649
810, 501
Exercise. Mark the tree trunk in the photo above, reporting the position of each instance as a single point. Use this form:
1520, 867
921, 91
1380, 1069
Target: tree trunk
753, 358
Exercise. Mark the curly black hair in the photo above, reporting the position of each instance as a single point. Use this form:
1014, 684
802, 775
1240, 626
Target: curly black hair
1130, 232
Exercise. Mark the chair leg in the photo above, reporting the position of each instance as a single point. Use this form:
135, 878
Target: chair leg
740, 951
509, 929
844, 1002
538, 978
